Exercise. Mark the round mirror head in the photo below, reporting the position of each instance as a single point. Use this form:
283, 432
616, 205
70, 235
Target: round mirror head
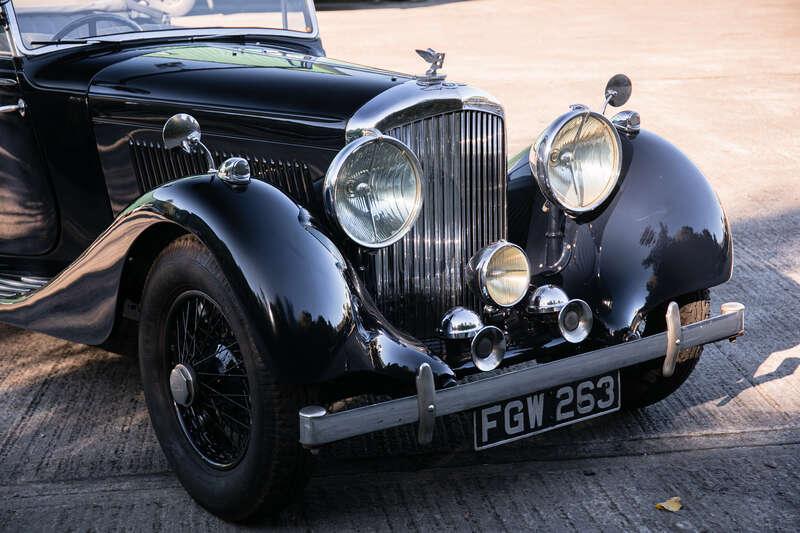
181, 130
618, 90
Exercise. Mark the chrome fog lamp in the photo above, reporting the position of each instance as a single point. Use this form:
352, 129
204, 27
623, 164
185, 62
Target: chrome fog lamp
460, 323
547, 299
500, 274
577, 160
373, 190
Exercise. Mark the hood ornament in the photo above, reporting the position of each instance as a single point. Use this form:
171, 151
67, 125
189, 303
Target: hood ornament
436, 61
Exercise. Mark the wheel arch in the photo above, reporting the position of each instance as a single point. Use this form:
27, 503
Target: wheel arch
140, 257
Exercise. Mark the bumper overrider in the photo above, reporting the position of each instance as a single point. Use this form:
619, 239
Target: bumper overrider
318, 427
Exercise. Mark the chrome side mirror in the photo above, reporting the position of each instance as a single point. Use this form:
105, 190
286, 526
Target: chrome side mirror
618, 90
183, 131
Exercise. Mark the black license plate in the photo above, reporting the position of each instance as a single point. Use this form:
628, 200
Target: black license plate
545, 410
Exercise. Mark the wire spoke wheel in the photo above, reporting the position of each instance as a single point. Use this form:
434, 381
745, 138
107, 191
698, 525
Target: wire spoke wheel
227, 427
208, 380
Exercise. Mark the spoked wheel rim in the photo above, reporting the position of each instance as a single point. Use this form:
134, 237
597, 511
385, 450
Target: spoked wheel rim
208, 380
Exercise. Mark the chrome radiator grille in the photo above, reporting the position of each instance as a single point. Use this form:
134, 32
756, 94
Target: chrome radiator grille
463, 156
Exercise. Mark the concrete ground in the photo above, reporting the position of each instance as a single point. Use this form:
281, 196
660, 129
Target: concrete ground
721, 80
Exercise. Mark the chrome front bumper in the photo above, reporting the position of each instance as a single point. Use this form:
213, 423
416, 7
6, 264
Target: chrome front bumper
317, 427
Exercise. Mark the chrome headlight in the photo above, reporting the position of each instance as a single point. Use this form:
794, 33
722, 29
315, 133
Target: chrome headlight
373, 189
577, 160
500, 274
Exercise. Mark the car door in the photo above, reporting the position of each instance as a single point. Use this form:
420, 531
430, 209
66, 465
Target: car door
28, 216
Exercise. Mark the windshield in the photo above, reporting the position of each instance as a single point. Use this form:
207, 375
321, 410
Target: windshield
43, 23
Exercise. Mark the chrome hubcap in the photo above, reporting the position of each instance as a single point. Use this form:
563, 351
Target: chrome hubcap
181, 383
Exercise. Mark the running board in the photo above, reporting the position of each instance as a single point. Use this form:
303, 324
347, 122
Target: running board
13, 287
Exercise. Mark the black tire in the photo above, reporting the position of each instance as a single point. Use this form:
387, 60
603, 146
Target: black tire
644, 384
255, 471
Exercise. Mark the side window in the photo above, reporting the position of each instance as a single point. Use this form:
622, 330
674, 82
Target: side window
5, 47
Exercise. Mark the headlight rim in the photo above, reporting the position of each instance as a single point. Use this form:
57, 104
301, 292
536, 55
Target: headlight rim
478, 270
335, 168
540, 150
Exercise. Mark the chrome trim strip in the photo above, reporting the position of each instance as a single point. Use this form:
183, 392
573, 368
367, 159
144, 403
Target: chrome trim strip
317, 427
19, 48
37, 282
412, 101
18, 285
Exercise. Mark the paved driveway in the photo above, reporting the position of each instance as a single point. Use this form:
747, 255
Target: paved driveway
722, 81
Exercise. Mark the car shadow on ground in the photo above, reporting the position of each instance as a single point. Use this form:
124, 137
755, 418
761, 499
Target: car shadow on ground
786, 368
772, 300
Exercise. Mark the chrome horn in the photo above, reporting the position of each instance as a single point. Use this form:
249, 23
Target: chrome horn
575, 321
488, 348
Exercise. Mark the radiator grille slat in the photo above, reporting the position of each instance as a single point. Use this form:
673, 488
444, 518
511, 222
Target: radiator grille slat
416, 280
154, 166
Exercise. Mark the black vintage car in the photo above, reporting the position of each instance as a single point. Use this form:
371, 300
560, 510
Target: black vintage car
337, 232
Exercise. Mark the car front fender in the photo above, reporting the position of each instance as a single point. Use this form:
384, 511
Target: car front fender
319, 324
661, 235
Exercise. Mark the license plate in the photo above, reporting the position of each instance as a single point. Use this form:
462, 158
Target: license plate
545, 410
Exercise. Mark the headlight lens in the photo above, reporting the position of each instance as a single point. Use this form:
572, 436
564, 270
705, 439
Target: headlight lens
373, 189
500, 273
577, 160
